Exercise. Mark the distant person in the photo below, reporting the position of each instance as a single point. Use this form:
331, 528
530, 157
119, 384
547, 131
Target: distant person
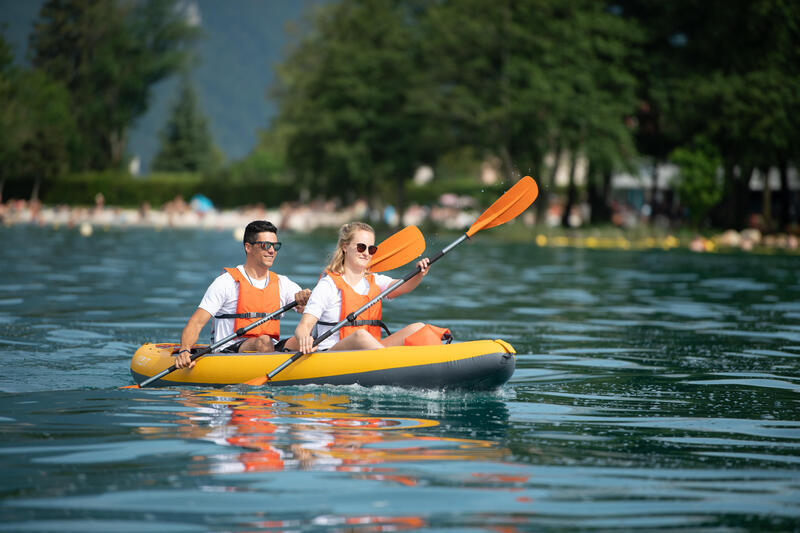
347, 285
248, 288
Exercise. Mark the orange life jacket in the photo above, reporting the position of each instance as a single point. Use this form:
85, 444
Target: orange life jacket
256, 301
352, 301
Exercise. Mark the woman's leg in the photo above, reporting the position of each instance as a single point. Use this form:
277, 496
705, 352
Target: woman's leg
291, 344
360, 339
397, 338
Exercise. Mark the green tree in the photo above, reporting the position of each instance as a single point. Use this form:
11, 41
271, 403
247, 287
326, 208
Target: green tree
699, 186
352, 101
524, 79
109, 54
728, 71
37, 130
8, 116
186, 142
48, 130
6, 54
381, 86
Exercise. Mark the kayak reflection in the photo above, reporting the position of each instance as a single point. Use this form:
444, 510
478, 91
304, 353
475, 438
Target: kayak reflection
316, 431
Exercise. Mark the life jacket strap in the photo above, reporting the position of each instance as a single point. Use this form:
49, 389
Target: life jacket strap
245, 315
360, 323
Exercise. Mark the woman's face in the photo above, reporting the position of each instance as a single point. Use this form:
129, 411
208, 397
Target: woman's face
352, 257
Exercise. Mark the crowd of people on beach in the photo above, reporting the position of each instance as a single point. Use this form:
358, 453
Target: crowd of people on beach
451, 212
178, 213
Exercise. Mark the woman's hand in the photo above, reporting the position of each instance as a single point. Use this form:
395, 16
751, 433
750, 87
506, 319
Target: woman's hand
302, 333
424, 265
306, 344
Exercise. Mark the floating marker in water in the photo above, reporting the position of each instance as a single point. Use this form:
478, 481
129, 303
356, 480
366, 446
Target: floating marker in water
85, 229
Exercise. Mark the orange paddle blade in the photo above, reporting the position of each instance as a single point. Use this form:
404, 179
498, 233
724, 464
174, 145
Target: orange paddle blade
130, 387
256, 382
397, 250
512, 203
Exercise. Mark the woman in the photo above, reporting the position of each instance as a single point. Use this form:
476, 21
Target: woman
345, 287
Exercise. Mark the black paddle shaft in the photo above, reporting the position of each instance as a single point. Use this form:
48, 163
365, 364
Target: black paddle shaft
352, 316
208, 349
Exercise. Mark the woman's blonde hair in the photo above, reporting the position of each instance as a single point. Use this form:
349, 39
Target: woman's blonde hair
336, 262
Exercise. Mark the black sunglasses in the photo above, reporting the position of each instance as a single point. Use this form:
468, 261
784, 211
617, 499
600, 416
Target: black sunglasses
360, 247
266, 245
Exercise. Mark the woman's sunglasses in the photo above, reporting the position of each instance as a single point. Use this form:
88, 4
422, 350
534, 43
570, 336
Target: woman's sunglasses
360, 247
266, 245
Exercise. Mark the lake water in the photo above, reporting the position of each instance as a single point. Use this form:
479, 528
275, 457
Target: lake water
653, 390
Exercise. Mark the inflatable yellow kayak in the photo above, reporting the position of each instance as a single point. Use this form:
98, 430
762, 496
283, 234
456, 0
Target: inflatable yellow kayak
473, 365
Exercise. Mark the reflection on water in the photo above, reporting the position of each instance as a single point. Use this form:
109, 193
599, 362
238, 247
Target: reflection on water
653, 391
310, 432
227, 444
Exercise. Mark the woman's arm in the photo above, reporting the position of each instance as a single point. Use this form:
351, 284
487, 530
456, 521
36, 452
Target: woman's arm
411, 284
303, 333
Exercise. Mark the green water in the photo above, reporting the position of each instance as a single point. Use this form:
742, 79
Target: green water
653, 390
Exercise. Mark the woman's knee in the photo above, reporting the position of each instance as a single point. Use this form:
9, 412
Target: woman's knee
363, 336
363, 339
416, 326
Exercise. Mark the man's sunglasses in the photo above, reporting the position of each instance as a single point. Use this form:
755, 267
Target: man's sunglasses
360, 247
266, 245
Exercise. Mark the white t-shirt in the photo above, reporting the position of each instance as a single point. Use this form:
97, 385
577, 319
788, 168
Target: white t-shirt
223, 294
325, 304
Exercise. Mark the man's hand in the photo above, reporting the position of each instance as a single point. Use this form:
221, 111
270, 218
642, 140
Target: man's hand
302, 299
183, 359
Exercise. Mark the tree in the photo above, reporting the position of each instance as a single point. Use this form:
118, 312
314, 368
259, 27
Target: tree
108, 54
6, 54
526, 79
699, 186
351, 99
8, 119
48, 131
37, 130
727, 71
186, 142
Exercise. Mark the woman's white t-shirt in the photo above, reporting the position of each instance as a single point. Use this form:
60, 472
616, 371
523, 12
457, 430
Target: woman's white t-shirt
325, 304
223, 294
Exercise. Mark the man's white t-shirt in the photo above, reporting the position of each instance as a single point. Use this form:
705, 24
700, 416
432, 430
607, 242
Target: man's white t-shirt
325, 304
223, 294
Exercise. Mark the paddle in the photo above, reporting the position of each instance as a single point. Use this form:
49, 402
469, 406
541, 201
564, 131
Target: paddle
398, 250
238, 333
511, 204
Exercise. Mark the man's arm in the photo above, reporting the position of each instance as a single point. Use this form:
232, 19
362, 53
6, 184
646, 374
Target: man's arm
189, 337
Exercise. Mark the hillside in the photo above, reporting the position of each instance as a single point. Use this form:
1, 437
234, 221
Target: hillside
243, 40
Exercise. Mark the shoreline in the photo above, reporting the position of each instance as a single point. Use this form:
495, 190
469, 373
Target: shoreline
325, 216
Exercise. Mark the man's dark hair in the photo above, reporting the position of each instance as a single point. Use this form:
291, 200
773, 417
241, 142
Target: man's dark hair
256, 227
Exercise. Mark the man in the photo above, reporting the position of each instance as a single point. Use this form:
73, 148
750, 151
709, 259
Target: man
248, 288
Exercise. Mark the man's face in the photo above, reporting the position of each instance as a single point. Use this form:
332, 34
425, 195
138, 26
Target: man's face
262, 249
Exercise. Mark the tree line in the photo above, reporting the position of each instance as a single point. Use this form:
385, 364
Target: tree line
375, 88
380, 86
93, 64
